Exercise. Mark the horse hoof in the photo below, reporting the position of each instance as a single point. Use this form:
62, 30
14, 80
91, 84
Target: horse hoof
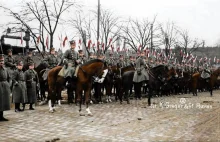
51, 111
81, 114
91, 102
110, 100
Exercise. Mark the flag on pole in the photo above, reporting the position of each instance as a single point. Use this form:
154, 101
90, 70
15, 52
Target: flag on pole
89, 43
38, 39
64, 41
110, 40
47, 42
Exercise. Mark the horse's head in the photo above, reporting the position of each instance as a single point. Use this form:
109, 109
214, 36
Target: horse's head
41, 66
172, 73
93, 67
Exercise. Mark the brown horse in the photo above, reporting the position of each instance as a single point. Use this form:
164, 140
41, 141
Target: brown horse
84, 81
197, 80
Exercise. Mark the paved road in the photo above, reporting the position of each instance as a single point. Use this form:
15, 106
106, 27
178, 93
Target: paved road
174, 118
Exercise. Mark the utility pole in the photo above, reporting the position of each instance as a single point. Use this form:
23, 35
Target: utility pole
98, 20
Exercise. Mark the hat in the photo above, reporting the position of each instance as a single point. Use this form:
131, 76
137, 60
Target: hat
20, 63
9, 50
30, 63
30, 52
80, 50
72, 42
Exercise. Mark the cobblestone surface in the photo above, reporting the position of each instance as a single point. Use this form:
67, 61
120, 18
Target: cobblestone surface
174, 118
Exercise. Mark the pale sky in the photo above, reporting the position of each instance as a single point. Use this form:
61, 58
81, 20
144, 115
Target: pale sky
199, 17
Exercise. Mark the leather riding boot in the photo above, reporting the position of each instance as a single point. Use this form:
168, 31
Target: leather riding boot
2, 117
31, 107
23, 107
17, 107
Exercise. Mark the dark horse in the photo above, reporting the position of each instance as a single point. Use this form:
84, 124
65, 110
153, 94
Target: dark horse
157, 77
83, 82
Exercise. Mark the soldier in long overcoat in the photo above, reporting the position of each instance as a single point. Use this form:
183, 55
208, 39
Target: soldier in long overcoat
32, 82
70, 59
19, 91
140, 74
4, 89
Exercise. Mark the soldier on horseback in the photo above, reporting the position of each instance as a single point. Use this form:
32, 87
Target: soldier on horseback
51, 61
70, 60
206, 73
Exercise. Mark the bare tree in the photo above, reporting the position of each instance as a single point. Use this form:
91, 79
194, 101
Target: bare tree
137, 34
21, 23
110, 26
48, 13
187, 43
83, 26
168, 36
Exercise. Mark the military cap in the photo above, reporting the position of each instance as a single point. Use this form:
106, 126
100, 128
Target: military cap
30, 52
9, 50
30, 63
80, 50
72, 42
121, 55
20, 63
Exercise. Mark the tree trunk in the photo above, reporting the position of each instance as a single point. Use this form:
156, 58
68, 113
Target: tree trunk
51, 40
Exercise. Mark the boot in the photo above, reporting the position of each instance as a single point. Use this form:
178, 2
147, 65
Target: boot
31, 107
23, 107
2, 117
17, 107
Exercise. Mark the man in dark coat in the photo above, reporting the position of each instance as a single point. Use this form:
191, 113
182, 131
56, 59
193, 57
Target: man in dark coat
19, 91
4, 89
10, 62
29, 58
32, 82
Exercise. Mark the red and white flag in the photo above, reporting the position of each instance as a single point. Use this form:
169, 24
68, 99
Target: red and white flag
47, 42
64, 41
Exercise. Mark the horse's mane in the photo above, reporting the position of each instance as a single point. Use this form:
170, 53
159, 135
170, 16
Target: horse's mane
92, 61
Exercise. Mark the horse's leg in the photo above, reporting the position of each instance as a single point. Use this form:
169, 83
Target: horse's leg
87, 96
149, 96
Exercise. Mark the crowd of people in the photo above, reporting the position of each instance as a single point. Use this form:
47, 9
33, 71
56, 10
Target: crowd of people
23, 83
